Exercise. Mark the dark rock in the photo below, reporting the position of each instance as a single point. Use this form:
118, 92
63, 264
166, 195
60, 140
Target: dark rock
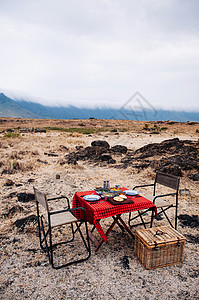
20, 223
191, 221
125, 262
141, 165
31, 180
64, 147
40, 130
12, 195
95, 152
71, 159
192, 239
100, 143
51, 154
10, 130
119, 149
193, 274
192, 123
106, 157
25, 197
114, 130
8, 171
57, 176
13, 210
171, 169
194, 177
9, 182
78, 147
184, 191
42, 161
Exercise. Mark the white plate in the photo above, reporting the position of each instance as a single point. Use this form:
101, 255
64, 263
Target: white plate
91, 197
131, 192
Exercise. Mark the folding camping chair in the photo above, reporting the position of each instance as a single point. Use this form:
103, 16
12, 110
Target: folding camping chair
55, 219
169, 181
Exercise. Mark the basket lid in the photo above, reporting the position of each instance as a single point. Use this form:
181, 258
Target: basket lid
159, 235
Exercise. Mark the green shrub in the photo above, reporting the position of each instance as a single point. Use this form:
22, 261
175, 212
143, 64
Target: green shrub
11, 135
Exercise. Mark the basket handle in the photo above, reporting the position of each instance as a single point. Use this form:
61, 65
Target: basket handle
159, 232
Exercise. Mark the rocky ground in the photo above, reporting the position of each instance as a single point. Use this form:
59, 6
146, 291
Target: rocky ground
61, 160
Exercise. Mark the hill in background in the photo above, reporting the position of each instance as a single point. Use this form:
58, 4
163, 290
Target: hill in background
28, 109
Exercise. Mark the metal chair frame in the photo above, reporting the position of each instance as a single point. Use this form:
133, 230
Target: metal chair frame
167, 180
48, 247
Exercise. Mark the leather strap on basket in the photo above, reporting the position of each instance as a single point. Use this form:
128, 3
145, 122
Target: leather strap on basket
159, 232
179, 242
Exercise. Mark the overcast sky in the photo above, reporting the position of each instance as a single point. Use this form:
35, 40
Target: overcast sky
100, 52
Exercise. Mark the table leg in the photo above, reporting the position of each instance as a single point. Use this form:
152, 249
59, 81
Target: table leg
116, 219
93, 239
107, 233
125, 226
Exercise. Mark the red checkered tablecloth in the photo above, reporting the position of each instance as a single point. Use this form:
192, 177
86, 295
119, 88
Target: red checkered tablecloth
95, 211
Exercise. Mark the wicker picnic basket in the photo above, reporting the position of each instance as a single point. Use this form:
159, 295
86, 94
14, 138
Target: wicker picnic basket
159, 246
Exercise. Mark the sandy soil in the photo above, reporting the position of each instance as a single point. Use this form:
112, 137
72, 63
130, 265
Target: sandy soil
114, 272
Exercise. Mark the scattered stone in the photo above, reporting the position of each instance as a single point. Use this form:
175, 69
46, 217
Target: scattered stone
25, 197
31, 180
108, 158
13, 210
192, 239
40, 130
51, 154
42, 161
171, 169
20, 223
64, 147
10, 130
9, 182
125, 262
184, 192
119, 149
190, 221
100, 143
57, 176
78, 147
171, 156
12, 195
194, 177
71, 160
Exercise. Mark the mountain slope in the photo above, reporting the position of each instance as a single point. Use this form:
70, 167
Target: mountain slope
12, 109
28, 109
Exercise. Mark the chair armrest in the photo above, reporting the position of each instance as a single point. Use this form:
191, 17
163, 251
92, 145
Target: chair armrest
69, 210
79, 208
163, 195
60, 197
143, 185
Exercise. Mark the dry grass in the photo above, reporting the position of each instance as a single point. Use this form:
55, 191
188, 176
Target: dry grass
25, 272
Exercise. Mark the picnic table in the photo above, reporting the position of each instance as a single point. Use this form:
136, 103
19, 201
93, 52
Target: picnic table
95, 211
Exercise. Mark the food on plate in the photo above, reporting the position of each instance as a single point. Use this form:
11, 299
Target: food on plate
115, 189
118, 198
108, 194
123, 196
